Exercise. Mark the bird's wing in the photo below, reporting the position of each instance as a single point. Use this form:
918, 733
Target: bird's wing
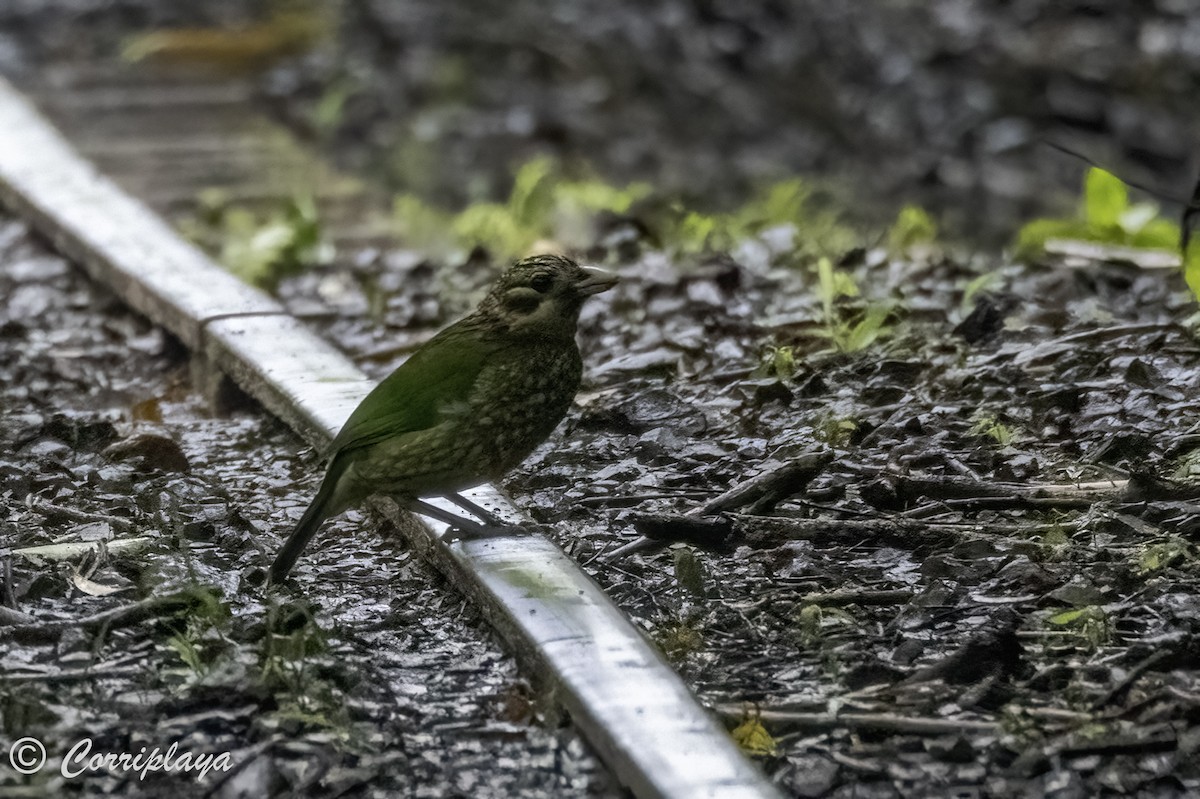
437, 376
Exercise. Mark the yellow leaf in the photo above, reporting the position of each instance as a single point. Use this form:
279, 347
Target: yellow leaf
753, 739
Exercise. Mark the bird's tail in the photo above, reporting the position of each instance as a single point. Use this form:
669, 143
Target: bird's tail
305, 529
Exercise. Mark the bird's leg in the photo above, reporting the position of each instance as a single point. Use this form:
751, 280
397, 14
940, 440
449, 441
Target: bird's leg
493, 526
432, 511
462, 529
489, 518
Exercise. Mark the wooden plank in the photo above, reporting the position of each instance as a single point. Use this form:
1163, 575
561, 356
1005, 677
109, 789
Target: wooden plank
110, 234
623, 697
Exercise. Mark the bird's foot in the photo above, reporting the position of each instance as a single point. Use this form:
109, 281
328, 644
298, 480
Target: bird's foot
478, 511
462, 529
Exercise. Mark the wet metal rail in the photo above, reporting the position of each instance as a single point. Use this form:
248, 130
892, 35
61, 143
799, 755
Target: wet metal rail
628, 703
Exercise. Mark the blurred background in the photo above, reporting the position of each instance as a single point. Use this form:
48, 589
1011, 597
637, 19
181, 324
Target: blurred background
940, 103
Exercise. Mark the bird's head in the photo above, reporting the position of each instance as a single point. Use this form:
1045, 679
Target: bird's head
541, 295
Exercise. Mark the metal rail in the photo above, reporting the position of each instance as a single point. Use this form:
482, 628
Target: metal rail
628, 703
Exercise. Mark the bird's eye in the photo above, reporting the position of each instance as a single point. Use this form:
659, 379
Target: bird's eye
541, 282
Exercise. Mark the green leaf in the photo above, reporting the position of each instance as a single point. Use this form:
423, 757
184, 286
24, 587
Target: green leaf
594, 195
188, 652
533, 192
1107, 218
868, 330
815, 230
494, 226
1068, 617
777, 362
783, 362
677, 641
698, 232
1157, 234
991, 427
1188, 467
1191, 266
1155, 557
976, 286
832, 284
809, 621
780, 204
1091, 622
330, 110
1105, 199
836, 431
912, 226
1055, 536
1032, 237
263, 251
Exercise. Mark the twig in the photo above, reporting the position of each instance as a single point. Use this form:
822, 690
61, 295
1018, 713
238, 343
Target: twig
886, 722
765, 490
626, 500
961, 491
1161, 740
761, 493
660, 530
51, 511
863, 597
767, 532
68, 675
1018, 502
1113, 331
11, 616
116, 617
1058, 715
709, 532
857, 764
1187, 696
1133, 676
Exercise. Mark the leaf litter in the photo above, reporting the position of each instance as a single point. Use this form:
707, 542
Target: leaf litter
126, 541
983, 577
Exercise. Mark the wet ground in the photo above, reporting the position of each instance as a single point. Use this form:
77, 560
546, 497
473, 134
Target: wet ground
988, 571
376, 680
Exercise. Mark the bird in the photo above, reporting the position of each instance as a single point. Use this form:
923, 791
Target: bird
466, 407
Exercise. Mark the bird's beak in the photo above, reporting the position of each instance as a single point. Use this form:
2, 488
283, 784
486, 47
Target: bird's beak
597, 280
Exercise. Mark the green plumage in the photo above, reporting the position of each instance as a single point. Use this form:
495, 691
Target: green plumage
469, 405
